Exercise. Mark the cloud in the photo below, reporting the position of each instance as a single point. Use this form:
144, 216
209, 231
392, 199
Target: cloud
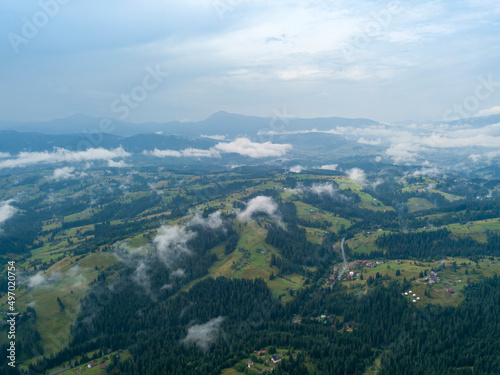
320, 189
260, 204
403, 153
61, 155
245, 147
198, 153
213, 221
431, 172
371, 142
487, 156
216, 137
73, 271
4, 155
63, 173
6, 210
178, 274
357, 175
297, 169
36, 280
488, 112
203, 335
188, 152
66, 173
117, 164
171, 243
329, 167
141, 276
242, 146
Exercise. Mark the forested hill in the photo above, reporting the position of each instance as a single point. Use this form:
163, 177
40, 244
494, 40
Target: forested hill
242, 316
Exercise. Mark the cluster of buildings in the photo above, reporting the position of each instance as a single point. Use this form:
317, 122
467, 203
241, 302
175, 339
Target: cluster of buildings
275, 358
413, 295
434, 278
354, 269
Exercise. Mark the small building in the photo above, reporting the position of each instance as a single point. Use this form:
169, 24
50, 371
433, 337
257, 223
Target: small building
410, 292
418, 298
414, 301
414, 295
102, 365
276, 358
250, 363
406, 293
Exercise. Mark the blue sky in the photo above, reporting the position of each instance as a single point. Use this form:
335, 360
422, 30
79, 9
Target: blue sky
389, 61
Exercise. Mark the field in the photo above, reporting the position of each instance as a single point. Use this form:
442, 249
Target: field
259, 362
123, 355
418, 204
67, 256
67, 280
308, 212
365, 242
414, 271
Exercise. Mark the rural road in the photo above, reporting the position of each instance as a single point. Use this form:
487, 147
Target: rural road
61, 370
345, 261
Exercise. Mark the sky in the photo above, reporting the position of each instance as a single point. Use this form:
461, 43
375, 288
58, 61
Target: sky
163, 60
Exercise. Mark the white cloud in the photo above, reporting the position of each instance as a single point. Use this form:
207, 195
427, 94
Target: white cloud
6, 210
36, 280
141, 276
487, 156
4, 155
198, 153
488, 112
178, 274
171, 243
403, 153
357, 175
189, 152
245, 147
61, 155
63, 173
66, 173
203, 335
216, 137
431, 172
329, 167
117, 164
325, 188
242, 146
372, 142
297, 169
260, 204
213, 221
